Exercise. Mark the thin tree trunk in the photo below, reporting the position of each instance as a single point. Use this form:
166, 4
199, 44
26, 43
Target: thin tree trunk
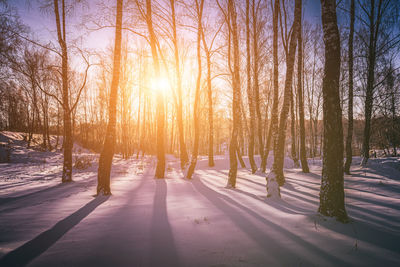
332, 184
210, 104
67, 140
106, 156
293, 130
303, 153
255, 82
250, 92
160, 168
236, 96
182, 146
273, 126
349, 155
279, 147
196, 113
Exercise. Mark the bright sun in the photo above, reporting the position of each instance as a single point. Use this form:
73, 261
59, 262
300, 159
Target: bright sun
160, 84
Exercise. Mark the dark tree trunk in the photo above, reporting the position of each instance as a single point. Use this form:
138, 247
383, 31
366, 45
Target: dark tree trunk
303, 153
106, 156
332, 187
279, 147
273, 126
373, 28
349, 138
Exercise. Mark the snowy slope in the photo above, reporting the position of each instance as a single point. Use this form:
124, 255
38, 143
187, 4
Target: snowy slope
176, 222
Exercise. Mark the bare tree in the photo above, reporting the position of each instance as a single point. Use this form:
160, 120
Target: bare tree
349, 138
182, 146
276, 175
273, 125
300, 70
250, 91
106, 156
379, 18
332, 187
193, 162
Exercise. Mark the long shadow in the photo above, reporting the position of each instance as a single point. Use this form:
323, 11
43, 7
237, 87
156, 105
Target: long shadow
35, 247
281, 205
64, 187
163, 250
10, 199
218, 200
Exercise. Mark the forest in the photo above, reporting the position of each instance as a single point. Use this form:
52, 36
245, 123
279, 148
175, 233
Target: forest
199, 132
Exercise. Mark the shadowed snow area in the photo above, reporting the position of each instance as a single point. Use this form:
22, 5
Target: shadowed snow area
176, 222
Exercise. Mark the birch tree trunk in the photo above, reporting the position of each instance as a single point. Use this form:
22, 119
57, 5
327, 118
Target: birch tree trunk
182, 145
106, 156
250, 92
350, 104
279, 147
160, 168
273, 126
303, 153
236, 96
67, 141
196, 113
332, 187
255, 81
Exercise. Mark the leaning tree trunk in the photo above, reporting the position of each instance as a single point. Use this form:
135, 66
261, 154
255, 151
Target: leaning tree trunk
160, 168
196, 113
303, 154
236, 97
106, 156
332, 187
279, 147
349, 138
250, 92
273, 126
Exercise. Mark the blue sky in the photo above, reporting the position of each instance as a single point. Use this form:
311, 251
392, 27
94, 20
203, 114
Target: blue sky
43, 25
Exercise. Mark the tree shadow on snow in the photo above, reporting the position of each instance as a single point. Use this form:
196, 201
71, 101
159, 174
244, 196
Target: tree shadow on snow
35, 247
259, 236
163, 250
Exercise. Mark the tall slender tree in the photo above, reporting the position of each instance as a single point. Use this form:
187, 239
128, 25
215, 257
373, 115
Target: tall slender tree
193, 162
273, 126
256, 69
236, 94
182, 145
303, 155
332, 184
276, 175
67, 142
350, 104
160, 168
106, 156
250, 92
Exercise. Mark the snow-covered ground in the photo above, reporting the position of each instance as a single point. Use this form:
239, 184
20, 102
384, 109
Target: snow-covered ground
176, 222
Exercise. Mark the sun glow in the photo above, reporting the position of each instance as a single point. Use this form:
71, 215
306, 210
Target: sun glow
160, 84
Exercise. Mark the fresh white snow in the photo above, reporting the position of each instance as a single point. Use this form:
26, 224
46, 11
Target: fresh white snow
198, 222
